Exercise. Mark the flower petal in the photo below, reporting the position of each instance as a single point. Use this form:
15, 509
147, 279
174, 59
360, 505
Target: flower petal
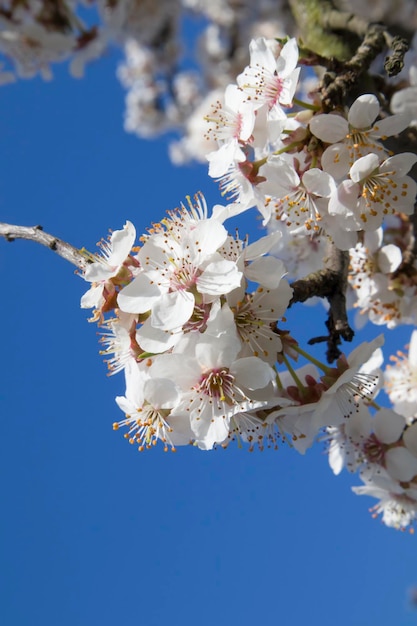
364, 111
329, 128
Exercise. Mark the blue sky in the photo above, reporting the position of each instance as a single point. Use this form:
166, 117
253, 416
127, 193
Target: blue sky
93, 532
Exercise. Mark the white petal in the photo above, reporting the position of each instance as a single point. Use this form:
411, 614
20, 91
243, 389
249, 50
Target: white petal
405, 101
161, 393
219, 278
267, 271
205, 239
404, 203
329, 128
223, 213
373, 240
389, 258
318, 182
261, 246
400, 163
155, 340
92, 298
122, 242
221, 351
135, 379
181, 433
373, 364
364, 111
388, 425
139, 296
289, 55
401, 464
252, 373
172, 310
336, 160
221, 320
288, 88
336, 458
364, 351
220, 160
358, 426
392, 125
237, 101
345, 239
99, 271
261, 55
410, 439
209, 432
363, 167
344, 199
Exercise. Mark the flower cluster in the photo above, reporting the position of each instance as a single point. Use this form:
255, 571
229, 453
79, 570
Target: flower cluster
311, 172
384, 288
193, 325
319, 177
196, 346
383, 447
194, 317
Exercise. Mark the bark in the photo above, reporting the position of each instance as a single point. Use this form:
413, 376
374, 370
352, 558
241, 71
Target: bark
35, 233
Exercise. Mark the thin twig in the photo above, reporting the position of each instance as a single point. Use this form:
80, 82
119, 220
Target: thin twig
10, 232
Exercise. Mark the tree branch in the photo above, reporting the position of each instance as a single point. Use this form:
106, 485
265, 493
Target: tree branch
319, 22
330, 283
35, 233
337, 87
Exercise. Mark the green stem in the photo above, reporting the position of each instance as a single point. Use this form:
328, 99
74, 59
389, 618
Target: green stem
146, 355
306, 105
293, 374
290, 146
258, 164
324, 368
278, 380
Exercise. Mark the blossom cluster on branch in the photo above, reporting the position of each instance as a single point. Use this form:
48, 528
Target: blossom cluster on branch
195, 318
165, 91
196, 313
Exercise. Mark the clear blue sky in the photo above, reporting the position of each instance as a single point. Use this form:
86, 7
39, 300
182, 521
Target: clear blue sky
93, 532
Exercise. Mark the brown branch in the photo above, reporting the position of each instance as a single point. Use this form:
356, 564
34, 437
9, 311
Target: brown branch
335, 20
322, 26
409, 256
10, 232
395, 62
329, 283
337, 87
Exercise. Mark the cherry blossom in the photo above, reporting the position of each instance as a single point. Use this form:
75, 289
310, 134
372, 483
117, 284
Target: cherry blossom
397, 505
113, 268
333, 398
269, 80
305, 202
375, 190
401, 380
360, 134
233, 125
178, 271
215, 383
148, 403
371, 264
